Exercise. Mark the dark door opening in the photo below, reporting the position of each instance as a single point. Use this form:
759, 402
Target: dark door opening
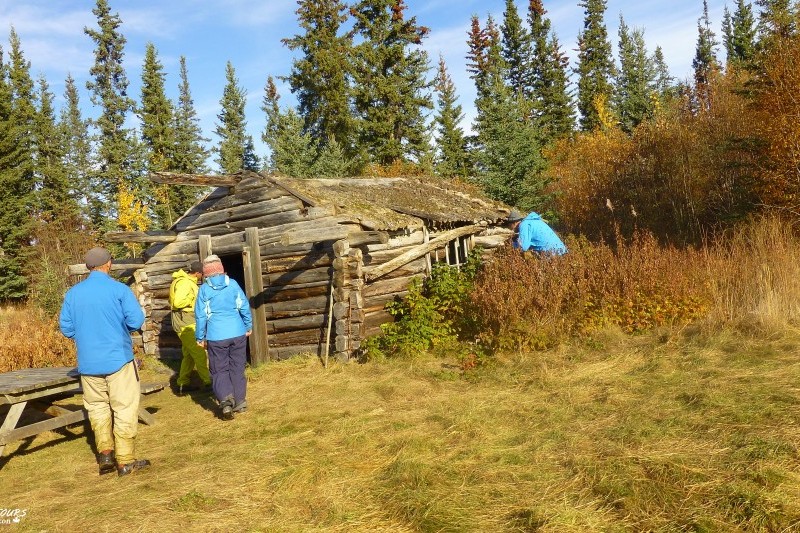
234, 268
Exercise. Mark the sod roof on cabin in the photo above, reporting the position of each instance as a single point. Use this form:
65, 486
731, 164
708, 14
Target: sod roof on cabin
394, 203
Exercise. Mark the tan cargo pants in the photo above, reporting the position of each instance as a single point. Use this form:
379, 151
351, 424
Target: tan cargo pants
112, 402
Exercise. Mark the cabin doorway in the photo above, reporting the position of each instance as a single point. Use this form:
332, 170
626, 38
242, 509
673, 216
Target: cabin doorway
234, 268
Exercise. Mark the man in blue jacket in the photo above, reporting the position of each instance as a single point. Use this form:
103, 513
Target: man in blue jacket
100, 313
533, 233
223, 323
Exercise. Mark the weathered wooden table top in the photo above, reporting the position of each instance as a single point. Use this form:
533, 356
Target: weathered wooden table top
31, 379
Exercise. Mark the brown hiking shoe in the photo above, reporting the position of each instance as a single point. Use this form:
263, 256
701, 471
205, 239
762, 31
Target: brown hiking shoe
106, 463
124, 470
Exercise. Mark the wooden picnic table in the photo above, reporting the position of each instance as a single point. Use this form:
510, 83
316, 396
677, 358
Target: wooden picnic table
46, 385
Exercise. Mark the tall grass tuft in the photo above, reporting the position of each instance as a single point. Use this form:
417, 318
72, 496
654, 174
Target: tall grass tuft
753, 273
29, 338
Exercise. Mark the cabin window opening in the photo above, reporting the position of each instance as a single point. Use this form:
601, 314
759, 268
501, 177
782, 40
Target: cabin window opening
454, 253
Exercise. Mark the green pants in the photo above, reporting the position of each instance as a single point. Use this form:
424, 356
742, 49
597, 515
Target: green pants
194, 357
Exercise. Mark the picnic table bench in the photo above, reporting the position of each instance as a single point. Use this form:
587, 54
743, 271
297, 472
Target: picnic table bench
45, 385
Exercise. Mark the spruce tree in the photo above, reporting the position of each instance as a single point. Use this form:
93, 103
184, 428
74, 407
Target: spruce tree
451, 155
157, 117
16, 183
635, 88
391, 92
664, 82
190, 153
739, 35
292, 151
77, 152
53, 193
109, 91
705, 63
516, 51
320, 77
777, 20
549, 71
595, 65
235, 149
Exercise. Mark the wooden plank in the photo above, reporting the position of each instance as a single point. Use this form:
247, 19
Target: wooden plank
259, 340
420, 251
204, 244
239, 212
297, 323
40, 427
200, 180
303, 198
140, 236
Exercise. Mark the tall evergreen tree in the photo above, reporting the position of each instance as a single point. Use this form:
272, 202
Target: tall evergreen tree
516, 51
157, 116
739, 35
77, 152
478, 59
320, 77
53, 192
16, 172
391, 92
595, 65
190, 152
292, 151
509, 161
777, 19
235, 149
109, 90
705, 63
551, 96
664, 82
451, 156
635, 87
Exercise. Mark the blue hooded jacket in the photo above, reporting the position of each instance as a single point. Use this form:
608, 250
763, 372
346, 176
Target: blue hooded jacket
535, 234
100, 313
222, 310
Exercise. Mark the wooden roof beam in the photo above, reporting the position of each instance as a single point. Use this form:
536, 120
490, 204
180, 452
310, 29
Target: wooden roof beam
140, 236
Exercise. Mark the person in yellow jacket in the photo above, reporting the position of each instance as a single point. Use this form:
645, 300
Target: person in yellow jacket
182, 295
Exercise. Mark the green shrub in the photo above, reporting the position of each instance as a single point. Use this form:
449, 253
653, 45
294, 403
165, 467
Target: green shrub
433, 316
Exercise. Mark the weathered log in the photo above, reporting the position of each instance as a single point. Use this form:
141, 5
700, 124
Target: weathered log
239, 212
383, 299
341, 310
200, 180
299, 337
419, 251
358, 238
398, 240
140, 236
387, 286
297, 262
376, 257
119, 267
376, 318
296, 323
275, 181
297, 276
296, 307
330, 233
299, 291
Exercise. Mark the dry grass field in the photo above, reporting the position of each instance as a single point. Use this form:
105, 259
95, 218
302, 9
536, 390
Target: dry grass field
662, 432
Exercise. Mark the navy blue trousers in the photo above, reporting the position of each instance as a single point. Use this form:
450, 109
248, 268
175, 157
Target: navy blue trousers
226, 361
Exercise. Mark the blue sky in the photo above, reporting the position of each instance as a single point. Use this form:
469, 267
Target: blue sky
248, 33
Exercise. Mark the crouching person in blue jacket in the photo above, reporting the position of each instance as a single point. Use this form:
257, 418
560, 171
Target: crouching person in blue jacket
223, 323
533, 233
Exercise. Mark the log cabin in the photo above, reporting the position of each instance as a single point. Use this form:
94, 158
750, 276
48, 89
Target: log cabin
318, 258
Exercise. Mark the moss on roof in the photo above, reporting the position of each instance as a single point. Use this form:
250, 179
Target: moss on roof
394, 203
